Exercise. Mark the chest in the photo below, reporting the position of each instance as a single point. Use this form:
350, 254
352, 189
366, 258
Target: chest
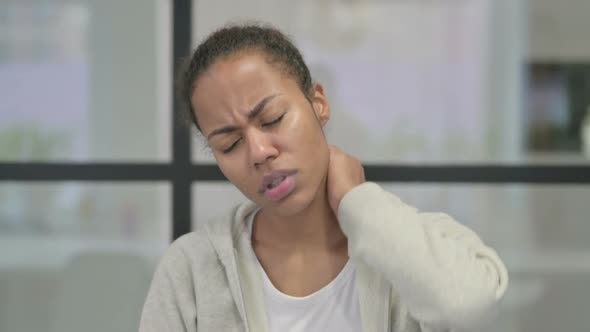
309, 292
334, 307
300, 274
218, 303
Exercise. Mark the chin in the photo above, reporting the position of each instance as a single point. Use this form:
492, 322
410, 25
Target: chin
291, 205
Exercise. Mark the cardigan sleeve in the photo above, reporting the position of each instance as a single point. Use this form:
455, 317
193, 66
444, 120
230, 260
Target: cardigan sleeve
442, 271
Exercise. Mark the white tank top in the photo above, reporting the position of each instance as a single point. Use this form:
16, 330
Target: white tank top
334, 308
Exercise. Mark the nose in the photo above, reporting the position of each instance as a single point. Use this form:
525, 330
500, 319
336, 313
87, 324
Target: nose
261, 147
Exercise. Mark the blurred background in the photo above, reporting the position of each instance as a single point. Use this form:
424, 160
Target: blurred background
99, 177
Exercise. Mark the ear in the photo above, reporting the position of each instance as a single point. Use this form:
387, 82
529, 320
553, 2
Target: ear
320, 103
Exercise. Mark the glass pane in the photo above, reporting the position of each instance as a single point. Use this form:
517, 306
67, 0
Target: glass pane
80, 80
418, 81
528, 220
558, 109
79, 256
540, 231
546, 302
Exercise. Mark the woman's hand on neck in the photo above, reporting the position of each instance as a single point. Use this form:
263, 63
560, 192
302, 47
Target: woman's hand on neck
317, 226
344, 173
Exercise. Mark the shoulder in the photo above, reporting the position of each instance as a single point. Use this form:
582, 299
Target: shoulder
209, 240
230, 224
185, 253
188, 244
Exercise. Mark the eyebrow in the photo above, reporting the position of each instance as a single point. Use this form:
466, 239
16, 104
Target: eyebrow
251, 115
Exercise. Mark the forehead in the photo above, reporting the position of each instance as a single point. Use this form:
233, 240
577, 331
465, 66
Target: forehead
236, 84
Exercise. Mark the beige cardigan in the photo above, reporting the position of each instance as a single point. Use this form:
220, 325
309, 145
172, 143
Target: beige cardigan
415, 272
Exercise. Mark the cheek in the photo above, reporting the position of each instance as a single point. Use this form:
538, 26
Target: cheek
235, 171
230, 168
306, 141
304, 132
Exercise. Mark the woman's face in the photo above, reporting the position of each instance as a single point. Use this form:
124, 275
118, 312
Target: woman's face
265, 134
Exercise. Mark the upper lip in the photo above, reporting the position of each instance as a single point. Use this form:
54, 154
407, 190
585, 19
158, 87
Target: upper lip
270, 177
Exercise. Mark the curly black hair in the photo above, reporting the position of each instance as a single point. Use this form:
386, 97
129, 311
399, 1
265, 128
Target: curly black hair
232, 39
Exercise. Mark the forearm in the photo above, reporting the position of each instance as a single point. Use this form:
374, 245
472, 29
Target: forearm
442, 271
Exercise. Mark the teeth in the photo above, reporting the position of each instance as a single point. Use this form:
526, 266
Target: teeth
276, 182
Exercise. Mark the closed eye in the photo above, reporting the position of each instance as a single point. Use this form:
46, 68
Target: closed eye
273, 122
267, 124
229, 149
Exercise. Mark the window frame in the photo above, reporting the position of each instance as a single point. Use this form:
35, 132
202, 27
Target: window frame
181, 172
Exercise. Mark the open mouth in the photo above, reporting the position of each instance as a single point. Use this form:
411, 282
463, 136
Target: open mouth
276, 182
279, 185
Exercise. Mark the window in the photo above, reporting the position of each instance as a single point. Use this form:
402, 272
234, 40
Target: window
96, 177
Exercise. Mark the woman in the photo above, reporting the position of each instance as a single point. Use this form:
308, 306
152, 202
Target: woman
318, 248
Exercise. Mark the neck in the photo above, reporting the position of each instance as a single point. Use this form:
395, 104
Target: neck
316, 227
